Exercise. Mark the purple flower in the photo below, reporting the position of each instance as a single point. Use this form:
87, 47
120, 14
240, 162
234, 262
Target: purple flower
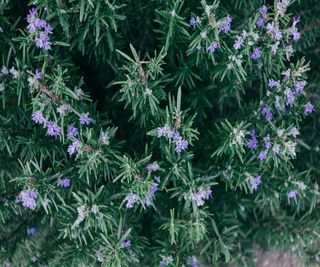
153, 190
238, 43
40, 28
276, 149
256, 53
213, 47
64, 182
38, 75
166, 260
31, 231
148, 199
28, 198
153, 167
74, 147
85, 119
274, 31
263, 11
193, 22
299, 86
293, 194
193, 261
267, 112
53, 129
290, 97
260, 22
181, 144
296, 20
278, 104
295, 34
224, 25
126, 244
72, 131
37, 117
263, 155
131, 200
272, 83
267, 143
255, 182
294, 132
201, 195
253, 142
42, 41
308, 108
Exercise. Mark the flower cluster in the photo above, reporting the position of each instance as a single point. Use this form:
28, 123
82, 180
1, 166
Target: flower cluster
34, 80
255, 182
193, 261
165, 261
181, 144
224, 25
40, 29
64, 182
131, 200
126, 244
263, 14
28, 198
201, 195
152, 167
31, 231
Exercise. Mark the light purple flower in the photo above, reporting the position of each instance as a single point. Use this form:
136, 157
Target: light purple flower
193, 261
274, 31
299, 86
238, 44
266, 111
267, 143
224, 25
273, 83
85, 119
193, 22
38, 75
202, 195
131, 200
126, 244
256, 53
74, 147
296, 20
28, 198
294, 132
308, 108
263, 11
64, 182
31, 231
278, 105
165, 261
255, 182
53, 129
253, 142
72, 131
153, 167
291, 96
263, 155
295, 34
37, 117
293, 194
260, 22
153, 190
213, 47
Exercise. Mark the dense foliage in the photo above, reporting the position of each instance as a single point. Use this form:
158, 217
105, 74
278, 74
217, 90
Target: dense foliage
158, 133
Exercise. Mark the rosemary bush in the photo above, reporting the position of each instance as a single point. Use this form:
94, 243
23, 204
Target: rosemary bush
158, 133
